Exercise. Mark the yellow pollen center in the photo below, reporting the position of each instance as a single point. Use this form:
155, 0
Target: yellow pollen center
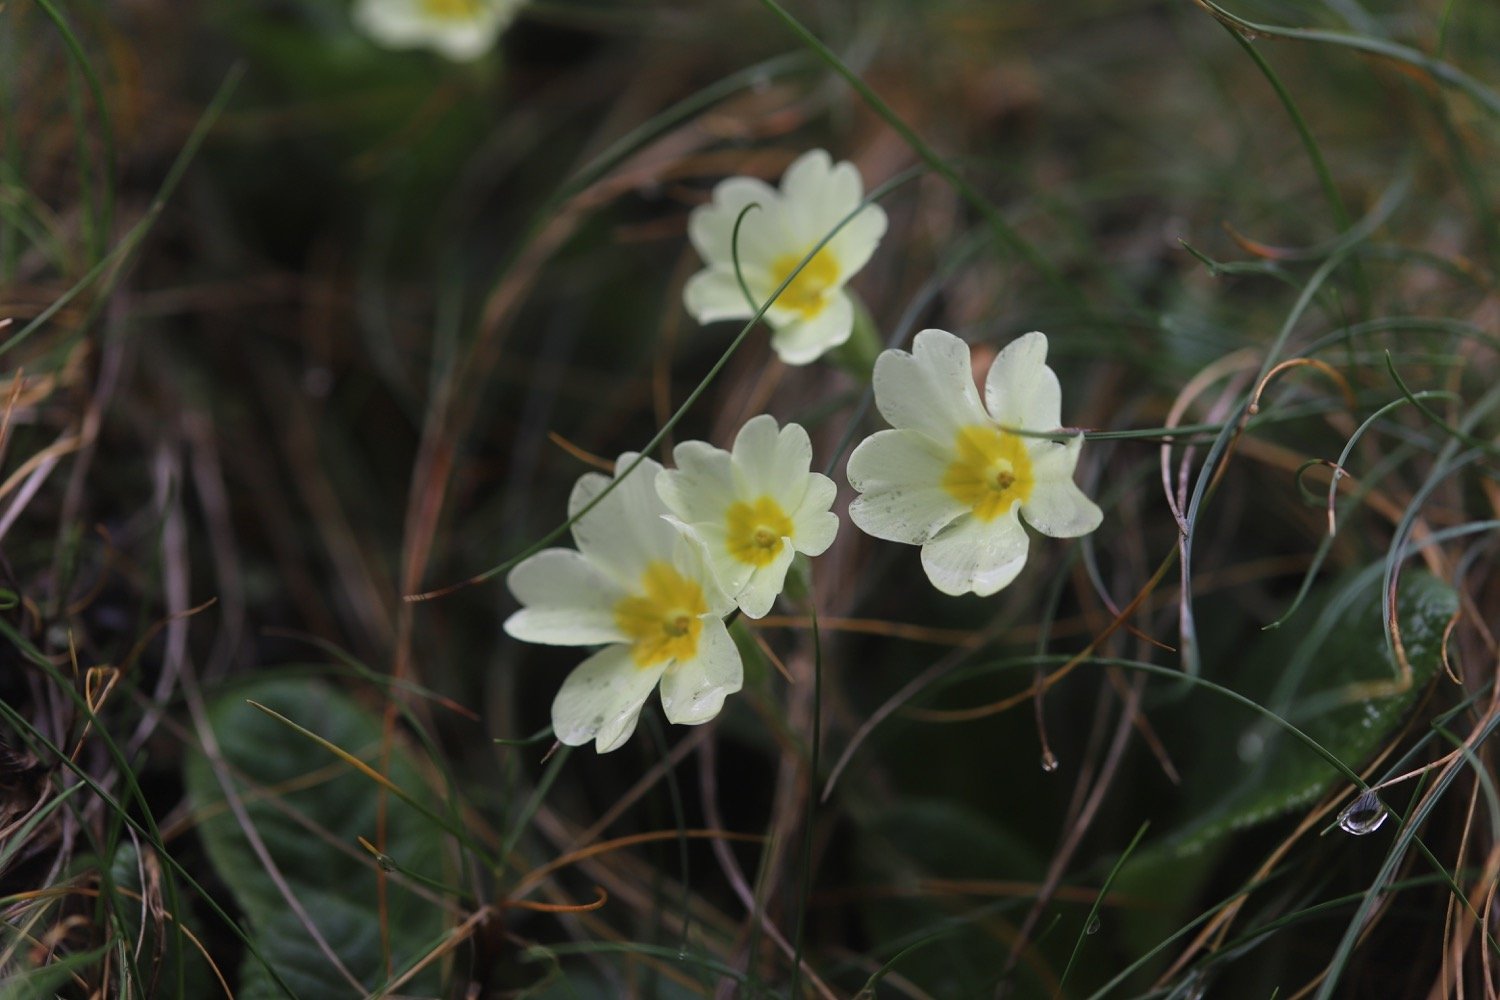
663, 620
451, 10
991, 471
755, 530
808, 292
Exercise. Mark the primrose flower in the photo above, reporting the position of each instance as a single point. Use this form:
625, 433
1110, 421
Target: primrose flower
640, 588
814, 313
752, 508
953, 476
459, 29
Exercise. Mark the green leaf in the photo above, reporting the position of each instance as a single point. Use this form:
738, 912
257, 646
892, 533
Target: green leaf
309, 809
1306, 676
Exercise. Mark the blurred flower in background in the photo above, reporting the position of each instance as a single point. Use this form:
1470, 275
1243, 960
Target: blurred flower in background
458, 29
814, 313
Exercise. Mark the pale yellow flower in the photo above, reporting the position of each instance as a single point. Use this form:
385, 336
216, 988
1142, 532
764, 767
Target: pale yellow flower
753, 508
953, 477
814, 313
461, 30
641, 588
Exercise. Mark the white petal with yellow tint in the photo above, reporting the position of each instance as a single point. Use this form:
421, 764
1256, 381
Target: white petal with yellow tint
602, 698
931, 390
899, 475
816, 525
762, 586
713, 295
771, 461
1058, 508
976, 556
691, 560
761, 236
565, 601
818, 194
1020, 390
461, 30
801, 341
693, 691
857, 242
702, 485
624, 532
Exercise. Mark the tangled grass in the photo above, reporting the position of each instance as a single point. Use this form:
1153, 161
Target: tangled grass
294, 329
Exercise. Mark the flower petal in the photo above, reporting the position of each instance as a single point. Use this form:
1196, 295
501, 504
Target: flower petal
762, 235
1020, 390
626, 530
816, 525
602, 698
900, 474
818, 193
693, 691
566, 601
765, 584
403, 25
800, 341
690, 557
976, 556
1058, 508
1053, 460
771, 462
855, 244
930, 390
714, 294
730, 575
702, 486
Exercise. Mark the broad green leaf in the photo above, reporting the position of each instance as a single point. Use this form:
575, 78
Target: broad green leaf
309, 808
1306, 676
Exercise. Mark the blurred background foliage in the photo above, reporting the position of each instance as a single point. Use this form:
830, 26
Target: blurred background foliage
291, 317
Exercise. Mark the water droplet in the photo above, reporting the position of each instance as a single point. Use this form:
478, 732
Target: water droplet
1049, 761
1363, 815
1093, 925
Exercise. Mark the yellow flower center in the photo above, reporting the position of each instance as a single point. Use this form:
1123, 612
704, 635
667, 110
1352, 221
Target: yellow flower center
991, 473
663, 621
756, 530
808, 292
451, 10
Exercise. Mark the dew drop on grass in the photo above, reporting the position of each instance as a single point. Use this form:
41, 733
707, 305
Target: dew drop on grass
1093, 925
1049, 761
1363, 815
